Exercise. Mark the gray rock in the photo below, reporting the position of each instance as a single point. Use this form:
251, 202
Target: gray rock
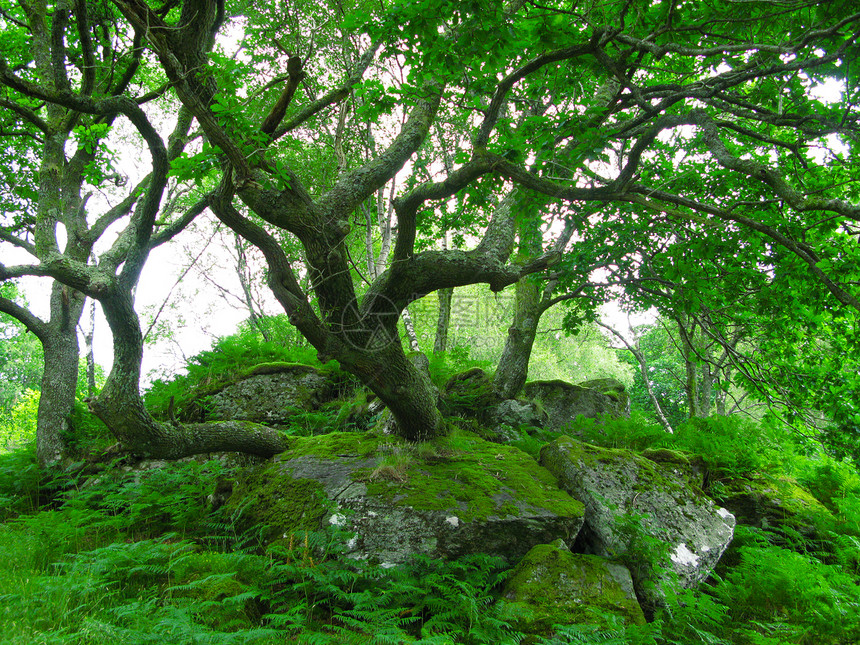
271, 398
458, 496
515, 413
612, 388
661, 525
563, 402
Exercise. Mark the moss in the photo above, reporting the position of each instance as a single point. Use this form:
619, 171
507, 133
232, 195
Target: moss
352, 444
280, 504
480, 478
551, 586
666, 455
611, 387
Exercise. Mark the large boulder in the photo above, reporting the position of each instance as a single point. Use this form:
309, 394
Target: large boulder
775, 503
614, 389
563, 402
271, 394
554, 586
665, 528
448, 498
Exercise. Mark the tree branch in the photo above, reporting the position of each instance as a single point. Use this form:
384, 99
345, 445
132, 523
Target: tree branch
32, 322
330, 97
25, 113
491, 117
357, 185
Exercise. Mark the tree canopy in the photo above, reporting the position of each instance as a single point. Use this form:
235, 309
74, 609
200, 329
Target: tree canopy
703, 151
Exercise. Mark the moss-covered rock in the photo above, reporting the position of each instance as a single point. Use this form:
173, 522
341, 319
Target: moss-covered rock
551, 585
562, 402
469, 394
776, 503
447, 498
690, 467
663, 527
613, 388
270, 394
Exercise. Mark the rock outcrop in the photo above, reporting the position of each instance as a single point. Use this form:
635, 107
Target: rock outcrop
773, 503
614, 389
563, 402
448, 498
648, 516
271, 395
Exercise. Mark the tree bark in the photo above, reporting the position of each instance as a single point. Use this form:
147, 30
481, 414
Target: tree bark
60, 378
513, 368
706, 390
404, 389
409, 325
691, 381
89, 333
443, 320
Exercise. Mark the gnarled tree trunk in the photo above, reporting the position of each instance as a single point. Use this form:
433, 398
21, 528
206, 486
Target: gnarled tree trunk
121, 408
513, 368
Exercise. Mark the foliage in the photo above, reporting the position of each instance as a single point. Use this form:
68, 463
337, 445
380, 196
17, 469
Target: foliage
771, 582
477, 333
20, 481
444, 365
20, 363
731, 446
433, 601
143, 557
18, 425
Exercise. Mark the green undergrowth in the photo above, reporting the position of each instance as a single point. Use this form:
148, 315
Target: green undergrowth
149, 557
444, 365
156, 556
731, 446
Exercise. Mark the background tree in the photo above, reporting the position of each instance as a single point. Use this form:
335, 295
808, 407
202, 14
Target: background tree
20, 357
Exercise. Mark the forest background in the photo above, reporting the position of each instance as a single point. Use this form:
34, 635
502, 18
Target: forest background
693, 162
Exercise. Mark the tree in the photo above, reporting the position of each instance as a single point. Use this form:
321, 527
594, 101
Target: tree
71, 74
633, 113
